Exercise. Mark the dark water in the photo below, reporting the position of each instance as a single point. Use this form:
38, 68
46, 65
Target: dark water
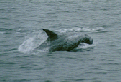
21, 22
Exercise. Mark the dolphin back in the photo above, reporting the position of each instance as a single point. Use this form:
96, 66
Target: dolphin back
51, 35
67, 41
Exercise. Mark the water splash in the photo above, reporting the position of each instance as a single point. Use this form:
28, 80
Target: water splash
1, 32
27, 45
32, 41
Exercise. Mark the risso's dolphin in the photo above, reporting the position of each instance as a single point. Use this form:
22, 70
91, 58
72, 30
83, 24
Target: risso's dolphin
66, 41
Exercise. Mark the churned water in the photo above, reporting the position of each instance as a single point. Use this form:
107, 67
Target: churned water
21, 22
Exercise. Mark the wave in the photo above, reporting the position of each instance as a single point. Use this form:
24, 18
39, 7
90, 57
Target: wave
81, 29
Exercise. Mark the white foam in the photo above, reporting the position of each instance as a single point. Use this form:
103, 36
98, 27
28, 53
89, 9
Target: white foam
85, 46
98, 29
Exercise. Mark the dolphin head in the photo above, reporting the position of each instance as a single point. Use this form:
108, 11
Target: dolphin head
87, 39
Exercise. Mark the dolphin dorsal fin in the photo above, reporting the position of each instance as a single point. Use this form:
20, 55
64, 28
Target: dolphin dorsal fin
51, 35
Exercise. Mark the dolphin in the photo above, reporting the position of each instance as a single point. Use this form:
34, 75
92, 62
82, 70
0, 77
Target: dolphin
65, 41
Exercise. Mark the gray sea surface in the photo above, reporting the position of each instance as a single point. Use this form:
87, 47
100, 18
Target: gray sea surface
21, 22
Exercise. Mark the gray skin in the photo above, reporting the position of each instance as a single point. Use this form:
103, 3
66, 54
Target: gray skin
67, 41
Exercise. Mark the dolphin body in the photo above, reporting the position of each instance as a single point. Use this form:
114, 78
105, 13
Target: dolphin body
66, 41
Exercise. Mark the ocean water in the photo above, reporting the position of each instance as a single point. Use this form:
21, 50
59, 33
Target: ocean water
21, 22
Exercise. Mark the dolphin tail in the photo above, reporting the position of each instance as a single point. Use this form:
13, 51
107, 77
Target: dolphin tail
51, 35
